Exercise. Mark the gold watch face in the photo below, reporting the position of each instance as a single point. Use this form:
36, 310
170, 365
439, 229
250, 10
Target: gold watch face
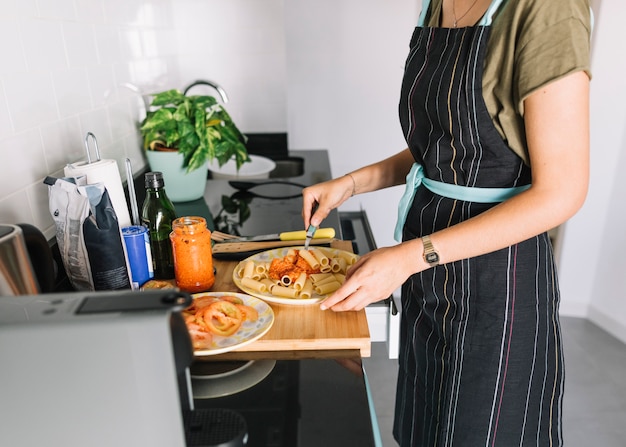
432, 257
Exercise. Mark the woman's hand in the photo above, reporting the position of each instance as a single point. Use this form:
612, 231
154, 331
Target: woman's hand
325, 196
376, 275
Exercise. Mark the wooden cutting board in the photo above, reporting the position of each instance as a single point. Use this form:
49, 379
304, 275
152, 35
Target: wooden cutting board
300, 331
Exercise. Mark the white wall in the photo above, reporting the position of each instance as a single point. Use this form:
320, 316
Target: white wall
593, 265
240, 44
63, 65
345, 63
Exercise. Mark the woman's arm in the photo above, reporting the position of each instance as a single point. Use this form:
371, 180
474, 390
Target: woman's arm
329, 195
557, 129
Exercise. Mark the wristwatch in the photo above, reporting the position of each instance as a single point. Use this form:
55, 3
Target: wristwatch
430, 254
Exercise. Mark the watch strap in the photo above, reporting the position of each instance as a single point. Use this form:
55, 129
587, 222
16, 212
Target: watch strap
430, 254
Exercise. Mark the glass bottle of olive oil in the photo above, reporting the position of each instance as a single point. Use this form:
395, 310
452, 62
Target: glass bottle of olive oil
157, 215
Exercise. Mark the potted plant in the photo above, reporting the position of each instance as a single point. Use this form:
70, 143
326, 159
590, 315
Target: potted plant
194, 130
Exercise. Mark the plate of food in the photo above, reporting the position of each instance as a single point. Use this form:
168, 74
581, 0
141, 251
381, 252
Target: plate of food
220, 322
292, 275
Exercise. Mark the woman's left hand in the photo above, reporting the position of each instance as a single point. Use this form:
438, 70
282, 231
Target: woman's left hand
374, 277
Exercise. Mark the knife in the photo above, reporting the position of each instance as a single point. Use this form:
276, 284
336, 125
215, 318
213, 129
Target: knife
310, 234
326, 233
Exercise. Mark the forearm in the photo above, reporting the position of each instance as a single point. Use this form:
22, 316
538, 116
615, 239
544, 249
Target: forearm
391, 171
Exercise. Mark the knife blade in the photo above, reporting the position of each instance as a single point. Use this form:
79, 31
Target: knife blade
326, 233
310, 233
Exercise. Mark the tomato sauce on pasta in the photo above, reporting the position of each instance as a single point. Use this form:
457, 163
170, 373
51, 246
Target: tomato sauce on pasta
291, 266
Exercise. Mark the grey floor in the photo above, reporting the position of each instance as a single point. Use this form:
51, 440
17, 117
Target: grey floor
595, 387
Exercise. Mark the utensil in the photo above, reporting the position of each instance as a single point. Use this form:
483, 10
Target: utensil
131, 193
310, 234
325, 233
245, 247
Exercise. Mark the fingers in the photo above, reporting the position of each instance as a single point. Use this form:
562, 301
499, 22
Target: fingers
340, 302
308, 203
325, 196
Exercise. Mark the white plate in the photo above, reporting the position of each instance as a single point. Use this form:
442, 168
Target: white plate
257, 168
266, 256
233, 383
248, 332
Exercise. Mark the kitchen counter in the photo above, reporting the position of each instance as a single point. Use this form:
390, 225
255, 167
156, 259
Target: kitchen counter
290, 396
315, 390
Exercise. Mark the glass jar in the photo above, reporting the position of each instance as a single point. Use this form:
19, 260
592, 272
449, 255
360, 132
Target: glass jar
193, 257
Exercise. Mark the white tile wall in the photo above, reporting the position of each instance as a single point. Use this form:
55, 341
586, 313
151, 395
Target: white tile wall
240, 44
63, 66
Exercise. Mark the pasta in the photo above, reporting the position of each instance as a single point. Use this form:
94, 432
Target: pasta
299, 274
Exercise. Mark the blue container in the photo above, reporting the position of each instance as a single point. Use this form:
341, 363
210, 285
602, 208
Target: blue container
137, 244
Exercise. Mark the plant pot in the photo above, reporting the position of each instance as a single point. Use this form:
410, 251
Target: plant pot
181, 186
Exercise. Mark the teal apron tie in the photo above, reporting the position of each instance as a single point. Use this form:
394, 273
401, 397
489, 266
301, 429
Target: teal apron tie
415, 178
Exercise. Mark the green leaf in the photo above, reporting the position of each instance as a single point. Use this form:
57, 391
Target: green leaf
174, 97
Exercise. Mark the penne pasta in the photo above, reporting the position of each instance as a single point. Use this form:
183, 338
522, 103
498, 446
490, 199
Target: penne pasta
255, 285
350, 258
269, 283
309, 258
307, 290
326, 288
320, 256
329, 278
316, 277
298, 284
340, 277
285, 280
239, 271
299, 274
248, 269
338, 265
261, 268
285, 292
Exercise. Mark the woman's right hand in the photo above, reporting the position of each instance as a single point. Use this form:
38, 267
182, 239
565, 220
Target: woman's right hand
320, 199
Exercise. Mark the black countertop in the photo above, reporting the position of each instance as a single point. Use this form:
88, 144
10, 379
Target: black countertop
300, 403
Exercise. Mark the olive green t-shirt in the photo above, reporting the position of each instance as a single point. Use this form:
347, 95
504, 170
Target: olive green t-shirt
532, 43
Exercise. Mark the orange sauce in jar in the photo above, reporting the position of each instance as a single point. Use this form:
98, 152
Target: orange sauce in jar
193, 257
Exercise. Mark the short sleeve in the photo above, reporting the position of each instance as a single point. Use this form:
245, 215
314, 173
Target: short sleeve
555, 44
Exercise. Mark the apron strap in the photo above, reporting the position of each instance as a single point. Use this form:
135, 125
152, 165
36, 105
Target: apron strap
416, 177
422, 17
488, 16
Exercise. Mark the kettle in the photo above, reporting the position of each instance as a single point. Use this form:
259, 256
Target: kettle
22, 247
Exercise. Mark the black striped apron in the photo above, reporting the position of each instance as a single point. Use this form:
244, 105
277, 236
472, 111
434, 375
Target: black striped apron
480, 360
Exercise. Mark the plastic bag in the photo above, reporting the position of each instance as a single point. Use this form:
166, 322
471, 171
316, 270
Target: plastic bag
88, 234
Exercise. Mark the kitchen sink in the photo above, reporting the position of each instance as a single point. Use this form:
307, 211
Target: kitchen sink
288, 167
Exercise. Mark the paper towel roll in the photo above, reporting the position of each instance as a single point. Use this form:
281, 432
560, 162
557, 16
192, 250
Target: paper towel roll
104, 171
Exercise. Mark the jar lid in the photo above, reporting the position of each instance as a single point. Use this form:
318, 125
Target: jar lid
154, 180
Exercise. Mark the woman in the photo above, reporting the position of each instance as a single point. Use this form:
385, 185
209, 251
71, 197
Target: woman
494, 108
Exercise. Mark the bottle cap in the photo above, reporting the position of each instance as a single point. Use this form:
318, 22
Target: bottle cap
154, 180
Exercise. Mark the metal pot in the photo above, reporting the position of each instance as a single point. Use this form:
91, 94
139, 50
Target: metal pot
19, 244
